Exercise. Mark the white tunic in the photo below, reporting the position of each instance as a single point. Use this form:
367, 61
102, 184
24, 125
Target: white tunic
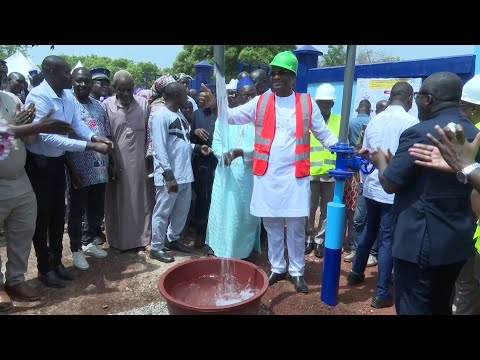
278, 193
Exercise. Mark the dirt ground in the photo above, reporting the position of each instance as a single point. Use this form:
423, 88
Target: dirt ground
125, 281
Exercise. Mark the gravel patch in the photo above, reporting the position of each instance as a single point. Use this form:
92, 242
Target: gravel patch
158, 308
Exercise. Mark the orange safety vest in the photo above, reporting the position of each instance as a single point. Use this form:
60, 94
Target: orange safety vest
265, 131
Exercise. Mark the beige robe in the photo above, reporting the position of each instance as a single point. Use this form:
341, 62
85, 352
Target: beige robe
128, 199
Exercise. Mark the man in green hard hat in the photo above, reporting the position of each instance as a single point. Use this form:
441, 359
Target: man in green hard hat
283, 120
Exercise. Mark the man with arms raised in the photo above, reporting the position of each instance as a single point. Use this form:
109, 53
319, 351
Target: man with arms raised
281, 163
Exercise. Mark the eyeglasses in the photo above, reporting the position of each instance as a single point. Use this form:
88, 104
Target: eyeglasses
279, 73
417, 94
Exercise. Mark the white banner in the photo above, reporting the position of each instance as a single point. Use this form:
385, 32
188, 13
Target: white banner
378, 89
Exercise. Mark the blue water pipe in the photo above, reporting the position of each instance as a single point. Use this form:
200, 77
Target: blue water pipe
345, 165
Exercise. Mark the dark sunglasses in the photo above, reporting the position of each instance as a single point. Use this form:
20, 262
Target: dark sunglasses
279, 73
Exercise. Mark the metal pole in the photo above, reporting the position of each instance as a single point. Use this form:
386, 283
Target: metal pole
347, 92
335, 227
222, 102
219, 58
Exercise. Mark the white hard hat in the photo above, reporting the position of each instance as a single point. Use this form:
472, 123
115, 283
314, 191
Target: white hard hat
471, 90
325, 92
232, 85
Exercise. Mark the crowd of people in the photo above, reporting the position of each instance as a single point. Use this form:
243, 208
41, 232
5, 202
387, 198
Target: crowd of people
136, 167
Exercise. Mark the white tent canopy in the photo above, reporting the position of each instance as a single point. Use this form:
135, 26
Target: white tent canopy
21, 64
79, 64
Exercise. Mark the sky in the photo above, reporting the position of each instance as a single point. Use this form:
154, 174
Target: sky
164, 55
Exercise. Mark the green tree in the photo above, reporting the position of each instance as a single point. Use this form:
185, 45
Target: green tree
192, 54
336, 55
367, 56
138, 70
9, 50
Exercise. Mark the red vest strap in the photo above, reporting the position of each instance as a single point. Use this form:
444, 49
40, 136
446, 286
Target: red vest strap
265, 125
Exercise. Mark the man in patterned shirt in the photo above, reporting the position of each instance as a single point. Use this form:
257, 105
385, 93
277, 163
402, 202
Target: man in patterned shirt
88, 175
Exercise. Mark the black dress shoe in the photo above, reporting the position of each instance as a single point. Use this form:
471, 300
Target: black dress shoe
162, 256
6, 303
319, 250
178, 246
300, 284
308, 248
51, 279
275, 277
382, 302
355, 279
63, 273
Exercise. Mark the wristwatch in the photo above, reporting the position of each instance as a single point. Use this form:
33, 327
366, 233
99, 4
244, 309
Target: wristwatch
462, 175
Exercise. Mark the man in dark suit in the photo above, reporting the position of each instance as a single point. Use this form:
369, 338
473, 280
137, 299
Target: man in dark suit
432, 227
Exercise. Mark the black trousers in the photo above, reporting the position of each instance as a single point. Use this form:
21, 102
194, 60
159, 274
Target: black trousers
421, 289
204, 173
47, 176
89, 199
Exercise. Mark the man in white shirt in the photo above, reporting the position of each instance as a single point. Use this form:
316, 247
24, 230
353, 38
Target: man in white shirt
45, 165
281, 163
382, 131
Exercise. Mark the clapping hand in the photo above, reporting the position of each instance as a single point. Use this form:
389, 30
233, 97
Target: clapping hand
23, 116
452, 154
